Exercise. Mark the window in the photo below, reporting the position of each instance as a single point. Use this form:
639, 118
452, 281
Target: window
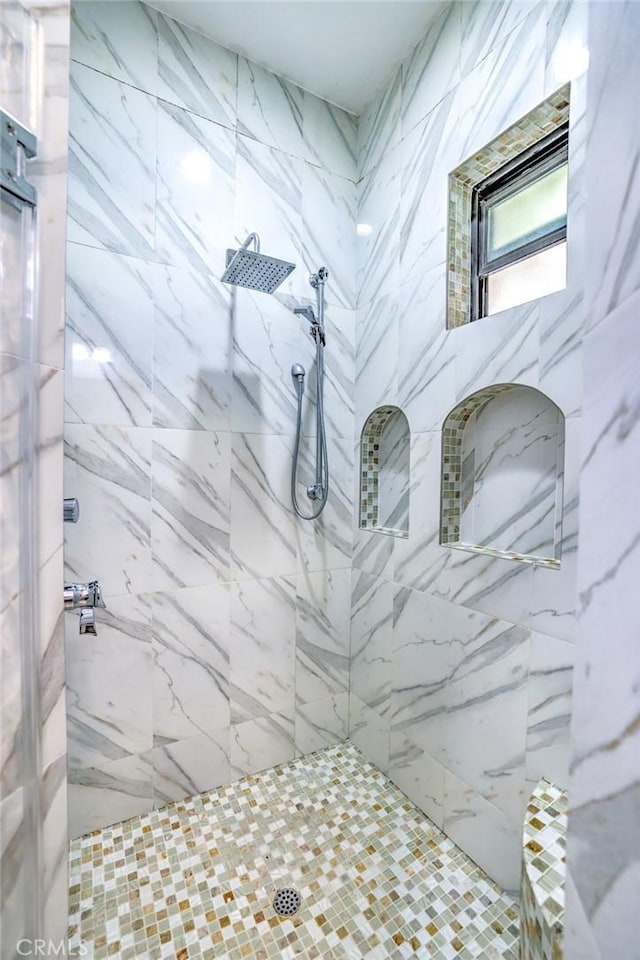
519, 228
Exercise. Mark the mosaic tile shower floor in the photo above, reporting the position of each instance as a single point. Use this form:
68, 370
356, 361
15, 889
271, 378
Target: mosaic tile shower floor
196, 878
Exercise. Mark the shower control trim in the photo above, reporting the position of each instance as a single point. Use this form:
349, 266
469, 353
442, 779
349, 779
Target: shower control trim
71, 509
78, 595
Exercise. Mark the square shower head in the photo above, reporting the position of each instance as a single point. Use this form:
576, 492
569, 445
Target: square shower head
255, 270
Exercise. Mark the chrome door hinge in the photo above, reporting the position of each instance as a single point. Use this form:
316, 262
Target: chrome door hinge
17, 145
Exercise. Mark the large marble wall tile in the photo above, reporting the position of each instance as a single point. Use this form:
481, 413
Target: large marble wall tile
602, 839
191, 662
326, 543
321, 723
555, 598
418, 775
613, 145
420, 561
378, 336
483, 832
109, 338
266, 337
14, 909
259, 744
330, 136
369, 732
195, 73
377, 252
579, 941
426, 358
49, 461
498, 349
262, 525
567, 37
491, 585
191, 476
425, 191
371, 641
329, 231
511, 78
339, 373
112, 164
373, 552
192, 350
109, 684
269, 202
486, 24
195, 190
323, 607
423, 632
271, 109
117, 791
52, 660
55, 849
486, 721
119, 39
188, 767
262, 648
433, 67
109, 469
549, 717
379, 125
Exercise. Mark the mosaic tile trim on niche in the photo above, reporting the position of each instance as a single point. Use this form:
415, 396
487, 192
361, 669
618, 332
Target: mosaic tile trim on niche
451, 504
371, 461
543, 120
376, 877
543, 876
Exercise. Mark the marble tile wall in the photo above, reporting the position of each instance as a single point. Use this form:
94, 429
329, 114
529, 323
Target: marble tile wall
224, 648
34, 45
461, 664
603, 847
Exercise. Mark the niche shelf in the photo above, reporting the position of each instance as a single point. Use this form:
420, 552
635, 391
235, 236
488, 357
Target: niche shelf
502, 475
384, 472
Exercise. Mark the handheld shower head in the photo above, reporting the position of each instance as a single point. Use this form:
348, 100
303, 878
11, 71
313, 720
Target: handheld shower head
252, 269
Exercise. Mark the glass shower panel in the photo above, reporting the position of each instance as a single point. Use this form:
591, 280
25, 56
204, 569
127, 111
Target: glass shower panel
19, 674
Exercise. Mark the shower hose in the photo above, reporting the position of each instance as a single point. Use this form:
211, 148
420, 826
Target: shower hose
321, 487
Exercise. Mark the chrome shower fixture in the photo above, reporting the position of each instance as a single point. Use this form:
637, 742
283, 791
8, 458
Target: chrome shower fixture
254, 270
319, 490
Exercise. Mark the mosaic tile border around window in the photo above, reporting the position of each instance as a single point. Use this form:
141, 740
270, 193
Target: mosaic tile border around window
372, 431
543, 876
543, 120
451, 479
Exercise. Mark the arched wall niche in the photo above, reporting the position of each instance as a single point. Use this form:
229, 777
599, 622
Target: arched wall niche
502, 475
384, 472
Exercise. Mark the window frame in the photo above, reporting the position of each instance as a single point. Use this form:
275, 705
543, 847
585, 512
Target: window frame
544, 156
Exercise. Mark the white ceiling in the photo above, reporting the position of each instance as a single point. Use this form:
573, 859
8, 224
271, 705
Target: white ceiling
341, 50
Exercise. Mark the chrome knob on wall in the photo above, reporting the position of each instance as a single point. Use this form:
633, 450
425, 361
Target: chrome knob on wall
71, 509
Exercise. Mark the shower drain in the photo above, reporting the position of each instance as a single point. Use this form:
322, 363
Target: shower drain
286, 901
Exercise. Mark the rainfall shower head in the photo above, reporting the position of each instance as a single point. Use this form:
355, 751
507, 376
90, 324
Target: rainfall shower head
252, 269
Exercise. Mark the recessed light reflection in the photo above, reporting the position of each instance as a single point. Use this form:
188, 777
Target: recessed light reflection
364, 229
196, 166
571, 59
88, 362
